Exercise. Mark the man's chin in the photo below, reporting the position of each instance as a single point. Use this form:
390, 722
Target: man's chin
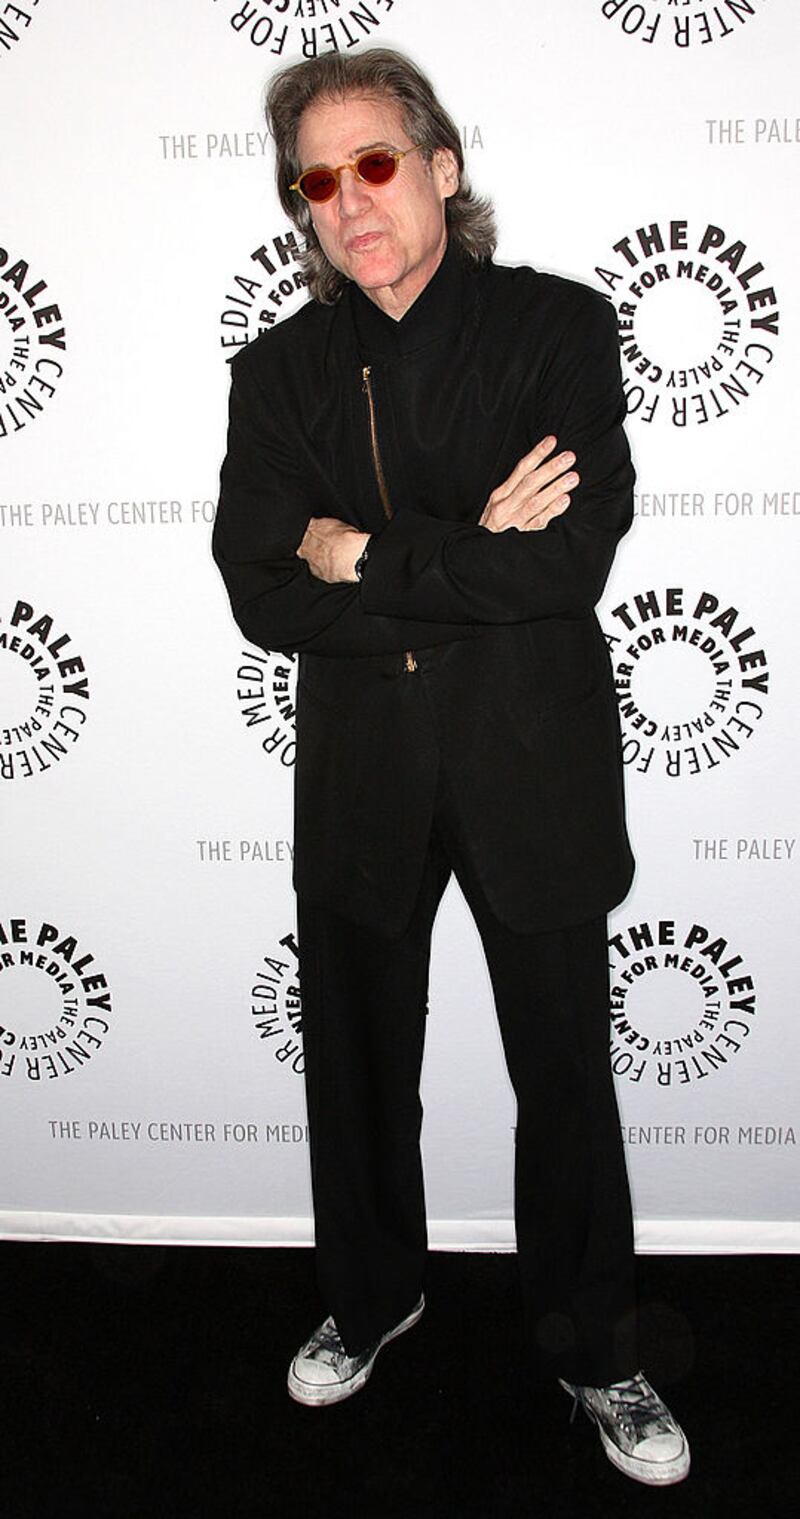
371, 269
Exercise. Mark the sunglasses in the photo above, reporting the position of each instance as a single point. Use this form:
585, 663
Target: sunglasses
375, 167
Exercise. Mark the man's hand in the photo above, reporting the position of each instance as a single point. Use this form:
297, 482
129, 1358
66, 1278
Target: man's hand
330, 549
536, 490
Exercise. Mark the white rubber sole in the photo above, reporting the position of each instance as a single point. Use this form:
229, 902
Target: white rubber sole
322, 1394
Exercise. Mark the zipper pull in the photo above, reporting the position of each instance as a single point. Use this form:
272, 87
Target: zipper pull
365, 374
409, 662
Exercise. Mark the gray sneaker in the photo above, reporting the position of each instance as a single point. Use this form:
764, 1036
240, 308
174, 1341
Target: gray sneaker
637, 1430
322, 1372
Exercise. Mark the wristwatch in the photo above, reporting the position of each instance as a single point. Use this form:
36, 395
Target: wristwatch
361, 561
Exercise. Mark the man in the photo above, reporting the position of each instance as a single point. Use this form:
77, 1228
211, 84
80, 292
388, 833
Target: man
388, 512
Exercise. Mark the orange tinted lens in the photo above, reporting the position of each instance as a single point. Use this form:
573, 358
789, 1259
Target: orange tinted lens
318, 184
376, 168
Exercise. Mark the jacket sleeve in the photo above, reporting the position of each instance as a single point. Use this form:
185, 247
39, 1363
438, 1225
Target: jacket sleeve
422, 566
267, 497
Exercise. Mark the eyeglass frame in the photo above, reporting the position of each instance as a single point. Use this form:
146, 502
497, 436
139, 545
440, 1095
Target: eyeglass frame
396, 153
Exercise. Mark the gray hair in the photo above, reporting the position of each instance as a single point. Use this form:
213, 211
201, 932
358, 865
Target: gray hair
381, 72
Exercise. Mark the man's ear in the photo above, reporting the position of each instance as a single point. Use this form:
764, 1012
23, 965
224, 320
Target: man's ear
445, 171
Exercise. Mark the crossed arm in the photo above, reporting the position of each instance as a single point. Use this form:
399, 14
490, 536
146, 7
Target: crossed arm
536, 491
290, 574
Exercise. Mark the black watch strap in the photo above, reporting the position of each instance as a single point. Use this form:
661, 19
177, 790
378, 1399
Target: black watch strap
360, 564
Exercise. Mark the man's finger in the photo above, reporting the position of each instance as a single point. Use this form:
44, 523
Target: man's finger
543, 498
538, 477
541, 519
524, 502
523, 466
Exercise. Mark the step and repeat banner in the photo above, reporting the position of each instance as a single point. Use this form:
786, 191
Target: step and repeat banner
151, 1045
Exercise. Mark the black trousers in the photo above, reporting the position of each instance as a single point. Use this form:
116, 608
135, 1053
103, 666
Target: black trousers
364, 1010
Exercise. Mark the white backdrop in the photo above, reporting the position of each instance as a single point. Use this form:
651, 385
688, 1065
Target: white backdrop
150, 1039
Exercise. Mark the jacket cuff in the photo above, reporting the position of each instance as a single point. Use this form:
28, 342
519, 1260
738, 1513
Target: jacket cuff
405, 556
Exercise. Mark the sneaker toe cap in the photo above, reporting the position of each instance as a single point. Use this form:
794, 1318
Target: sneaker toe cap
314, 1373
660, 1449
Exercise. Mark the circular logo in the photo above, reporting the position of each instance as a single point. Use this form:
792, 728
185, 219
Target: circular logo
275, 1009
55, 1005
44, 693
308, 27
656, 21
268, 292
32, 344
265, 690
691, 680
698, 320
683, 1004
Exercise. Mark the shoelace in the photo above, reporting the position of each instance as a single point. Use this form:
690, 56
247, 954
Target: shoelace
328, 1345
327, 1341
635, 1405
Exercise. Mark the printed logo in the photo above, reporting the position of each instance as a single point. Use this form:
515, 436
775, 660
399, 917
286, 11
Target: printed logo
256, 301
55, 1005
31, 344
44, 693
265, 690
698, 321
14, 22
183, 147
691, 681
275, 1006
709, 21
683, 1004
307, 27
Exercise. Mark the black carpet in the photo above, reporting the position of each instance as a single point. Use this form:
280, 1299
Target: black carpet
142, 1381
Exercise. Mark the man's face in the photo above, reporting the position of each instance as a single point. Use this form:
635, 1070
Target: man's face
390, 238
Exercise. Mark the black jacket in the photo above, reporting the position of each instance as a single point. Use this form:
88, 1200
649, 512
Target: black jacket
502, 628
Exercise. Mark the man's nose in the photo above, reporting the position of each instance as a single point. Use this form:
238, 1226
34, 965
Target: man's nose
353, 193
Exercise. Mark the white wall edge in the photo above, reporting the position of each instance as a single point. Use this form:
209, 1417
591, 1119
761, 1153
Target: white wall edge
654, 1236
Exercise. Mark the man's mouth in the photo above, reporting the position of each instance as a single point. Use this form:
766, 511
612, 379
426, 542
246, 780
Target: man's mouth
363, 241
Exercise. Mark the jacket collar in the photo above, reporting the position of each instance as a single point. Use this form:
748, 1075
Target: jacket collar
438, 309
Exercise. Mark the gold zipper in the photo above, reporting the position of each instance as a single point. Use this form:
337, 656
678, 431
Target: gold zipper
373, 435
409, 662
